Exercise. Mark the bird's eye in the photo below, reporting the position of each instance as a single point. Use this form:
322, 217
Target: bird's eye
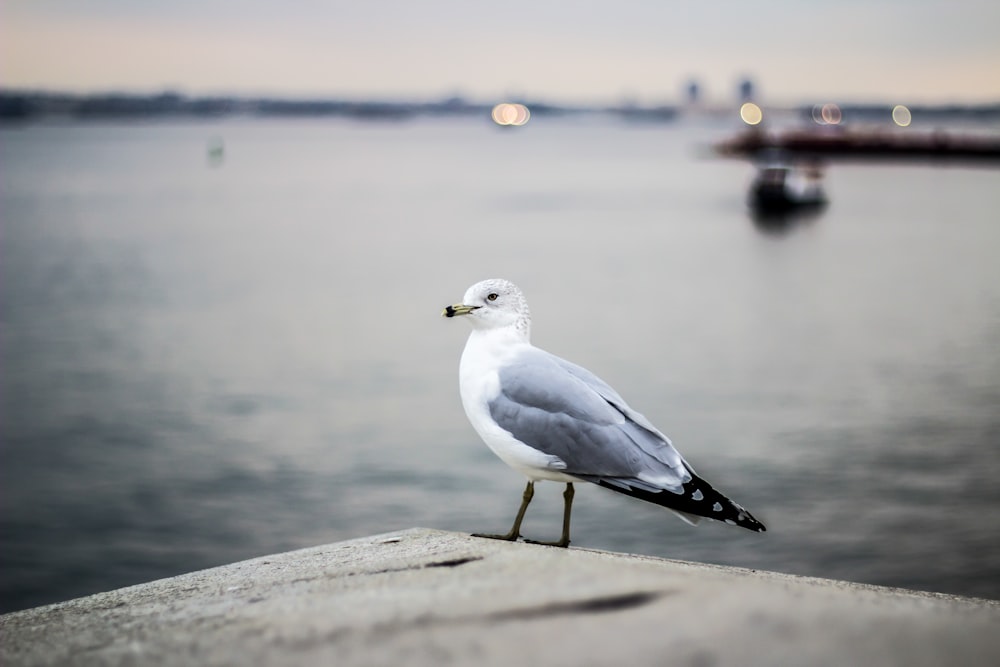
492, 296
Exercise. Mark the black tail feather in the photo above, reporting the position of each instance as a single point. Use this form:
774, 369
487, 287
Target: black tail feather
699, 499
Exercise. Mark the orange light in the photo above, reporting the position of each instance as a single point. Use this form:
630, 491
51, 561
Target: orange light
506, 113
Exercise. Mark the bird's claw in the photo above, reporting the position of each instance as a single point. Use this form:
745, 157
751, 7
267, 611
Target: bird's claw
509, 537
556, 543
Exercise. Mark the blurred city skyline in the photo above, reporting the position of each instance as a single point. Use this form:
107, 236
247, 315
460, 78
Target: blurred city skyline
591, 52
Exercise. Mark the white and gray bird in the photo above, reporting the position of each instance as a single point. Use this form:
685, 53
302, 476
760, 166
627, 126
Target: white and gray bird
550, 419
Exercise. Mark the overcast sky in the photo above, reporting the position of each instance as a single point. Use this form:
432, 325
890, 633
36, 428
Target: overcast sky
561, 51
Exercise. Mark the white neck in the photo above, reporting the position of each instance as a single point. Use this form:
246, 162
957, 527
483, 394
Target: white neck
486, 349
513, 334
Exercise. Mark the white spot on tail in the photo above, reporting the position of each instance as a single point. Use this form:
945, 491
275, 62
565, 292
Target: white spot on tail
697, 495
716, 507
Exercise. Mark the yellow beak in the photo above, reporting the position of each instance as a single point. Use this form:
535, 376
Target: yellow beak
457, 309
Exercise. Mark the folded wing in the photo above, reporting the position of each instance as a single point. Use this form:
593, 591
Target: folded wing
567, 412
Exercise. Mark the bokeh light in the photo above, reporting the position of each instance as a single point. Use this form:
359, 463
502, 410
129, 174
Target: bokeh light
830, 113
827, 114
751, 113
901, 115
508, 114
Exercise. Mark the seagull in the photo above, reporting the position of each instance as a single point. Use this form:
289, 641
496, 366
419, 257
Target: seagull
550, 419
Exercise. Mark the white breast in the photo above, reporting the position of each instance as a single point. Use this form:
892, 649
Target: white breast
479, 383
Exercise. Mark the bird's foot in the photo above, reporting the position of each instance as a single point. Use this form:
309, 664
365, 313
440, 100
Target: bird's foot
564, 542
509, 537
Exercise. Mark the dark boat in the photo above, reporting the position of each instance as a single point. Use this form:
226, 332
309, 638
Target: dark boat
781, 187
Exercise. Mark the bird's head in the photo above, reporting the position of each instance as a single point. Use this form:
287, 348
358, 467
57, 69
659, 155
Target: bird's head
493, 304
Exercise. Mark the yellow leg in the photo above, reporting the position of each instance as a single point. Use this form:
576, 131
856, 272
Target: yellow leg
515, 530
567, 508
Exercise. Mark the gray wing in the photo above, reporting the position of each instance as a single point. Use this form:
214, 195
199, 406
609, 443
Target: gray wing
566, 411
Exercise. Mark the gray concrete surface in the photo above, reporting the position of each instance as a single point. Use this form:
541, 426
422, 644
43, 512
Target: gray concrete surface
424, 597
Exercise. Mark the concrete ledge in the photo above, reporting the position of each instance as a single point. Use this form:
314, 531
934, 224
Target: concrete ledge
424, 597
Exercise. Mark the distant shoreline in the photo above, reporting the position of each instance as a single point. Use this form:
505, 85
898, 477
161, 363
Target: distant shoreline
21, 105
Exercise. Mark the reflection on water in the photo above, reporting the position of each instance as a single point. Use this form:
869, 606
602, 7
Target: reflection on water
208, 362
780, 223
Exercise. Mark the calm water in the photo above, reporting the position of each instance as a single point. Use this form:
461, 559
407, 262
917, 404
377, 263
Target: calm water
203, 363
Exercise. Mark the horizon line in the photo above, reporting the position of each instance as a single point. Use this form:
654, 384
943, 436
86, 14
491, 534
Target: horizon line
460, 99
